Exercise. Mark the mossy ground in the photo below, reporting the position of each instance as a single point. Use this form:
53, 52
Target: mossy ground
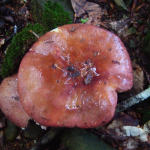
54, 15
18, 47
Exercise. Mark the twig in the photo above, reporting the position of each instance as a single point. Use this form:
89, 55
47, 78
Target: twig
34, 34
47, 138
133, 100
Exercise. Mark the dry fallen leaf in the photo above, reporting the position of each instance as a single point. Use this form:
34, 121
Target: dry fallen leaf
94, 11
127, 131
121, 119
147, 127
2, 42
130, 144
135, 132
138, 78
120, 26
138, 83
78, 7
121, 3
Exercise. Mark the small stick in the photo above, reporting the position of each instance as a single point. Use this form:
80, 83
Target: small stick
133, 100
34, 34
47, 138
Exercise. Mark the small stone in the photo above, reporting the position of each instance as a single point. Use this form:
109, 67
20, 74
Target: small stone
132, 44
11, 131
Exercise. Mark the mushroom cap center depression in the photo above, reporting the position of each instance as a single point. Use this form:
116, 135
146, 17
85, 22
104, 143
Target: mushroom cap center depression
70, 76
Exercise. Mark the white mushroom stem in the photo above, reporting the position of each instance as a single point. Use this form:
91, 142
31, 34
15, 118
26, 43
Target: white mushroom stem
133, 100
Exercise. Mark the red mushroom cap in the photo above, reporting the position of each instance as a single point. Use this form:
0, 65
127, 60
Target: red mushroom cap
70, 77
10, 103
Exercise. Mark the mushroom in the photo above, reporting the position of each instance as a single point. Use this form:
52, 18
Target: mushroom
70, 77
10, 103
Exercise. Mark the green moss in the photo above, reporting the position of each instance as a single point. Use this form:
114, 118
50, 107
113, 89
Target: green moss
18, 47
37, 12
54, 15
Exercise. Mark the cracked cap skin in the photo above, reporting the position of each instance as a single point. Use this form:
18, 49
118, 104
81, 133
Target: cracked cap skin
70, 77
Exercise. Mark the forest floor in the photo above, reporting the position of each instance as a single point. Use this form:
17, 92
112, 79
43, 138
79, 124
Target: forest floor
131, 22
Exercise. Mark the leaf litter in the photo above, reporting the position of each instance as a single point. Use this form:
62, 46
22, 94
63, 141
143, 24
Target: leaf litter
129, 22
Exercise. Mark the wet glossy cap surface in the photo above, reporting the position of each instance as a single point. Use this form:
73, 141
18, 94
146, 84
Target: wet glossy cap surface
10, 103
70, 77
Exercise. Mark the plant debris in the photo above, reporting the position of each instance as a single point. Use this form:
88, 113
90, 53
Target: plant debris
130, 20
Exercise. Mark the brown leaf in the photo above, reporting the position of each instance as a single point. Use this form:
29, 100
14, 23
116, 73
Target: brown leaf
78, 7
130, 144
138, 78
2, 42
125, 127
115, 128
120, 26
138, 83
122, 119
93, 10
